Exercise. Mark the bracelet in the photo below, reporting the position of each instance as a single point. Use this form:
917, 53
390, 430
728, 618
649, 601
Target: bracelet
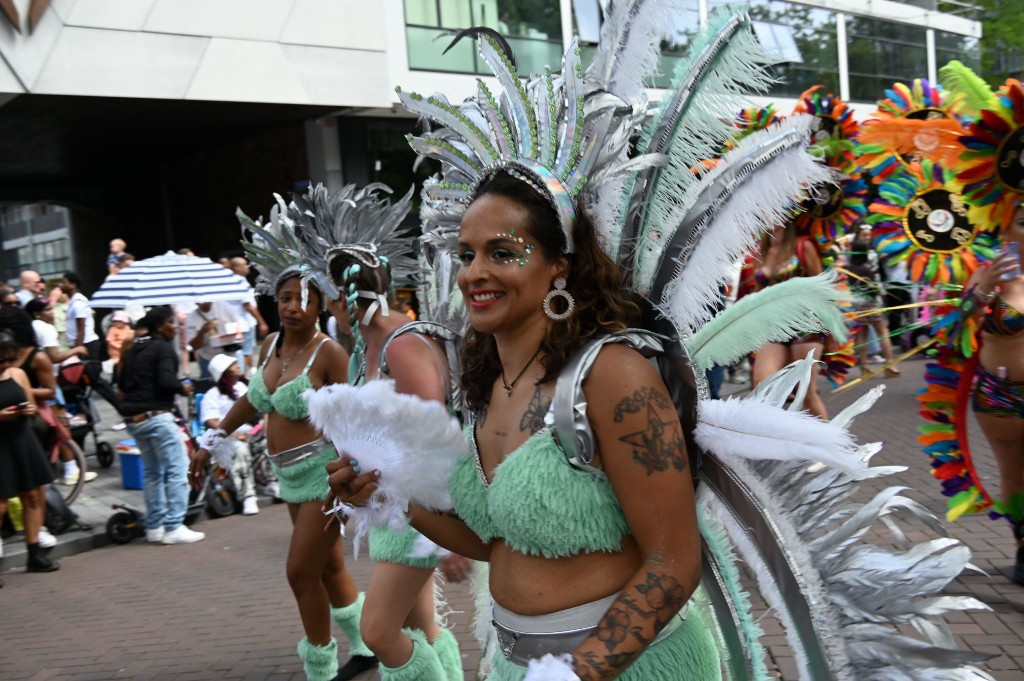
985, 297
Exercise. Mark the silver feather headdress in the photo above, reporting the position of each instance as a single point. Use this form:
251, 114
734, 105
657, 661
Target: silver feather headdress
362, 224
533, 132
277, 252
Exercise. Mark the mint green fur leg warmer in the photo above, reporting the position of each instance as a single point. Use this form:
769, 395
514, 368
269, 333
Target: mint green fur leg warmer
319, 662
447, 649
347, 618
422, 666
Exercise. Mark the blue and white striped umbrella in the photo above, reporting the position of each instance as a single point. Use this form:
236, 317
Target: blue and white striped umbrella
170, 279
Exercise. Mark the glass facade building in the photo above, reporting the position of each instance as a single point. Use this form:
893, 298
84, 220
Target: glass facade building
851, 54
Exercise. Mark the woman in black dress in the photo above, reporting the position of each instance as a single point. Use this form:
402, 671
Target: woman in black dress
24, 470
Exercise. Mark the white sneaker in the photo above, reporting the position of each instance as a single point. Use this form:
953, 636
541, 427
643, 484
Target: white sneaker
249, 506
91, 475
69, 480
118, 426
155, 536
183, 535
46, 540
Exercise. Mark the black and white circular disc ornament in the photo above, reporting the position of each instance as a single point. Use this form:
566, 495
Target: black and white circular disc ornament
936, 221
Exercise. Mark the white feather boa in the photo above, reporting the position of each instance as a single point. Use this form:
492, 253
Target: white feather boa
413, 442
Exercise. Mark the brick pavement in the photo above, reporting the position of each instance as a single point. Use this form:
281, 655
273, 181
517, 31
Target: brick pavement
221, 609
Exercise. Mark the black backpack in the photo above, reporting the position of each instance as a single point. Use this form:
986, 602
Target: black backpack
59, 516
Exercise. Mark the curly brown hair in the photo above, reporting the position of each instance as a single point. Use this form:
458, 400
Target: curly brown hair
603, 304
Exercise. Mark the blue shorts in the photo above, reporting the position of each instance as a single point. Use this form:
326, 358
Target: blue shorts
249, 341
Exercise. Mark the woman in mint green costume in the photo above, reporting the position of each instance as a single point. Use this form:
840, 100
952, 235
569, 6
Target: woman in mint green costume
590, 572
294, 360
400, 611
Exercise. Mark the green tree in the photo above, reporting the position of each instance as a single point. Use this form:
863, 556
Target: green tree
1002, 40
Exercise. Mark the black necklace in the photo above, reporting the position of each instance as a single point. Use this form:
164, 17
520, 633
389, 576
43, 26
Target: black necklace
508, 386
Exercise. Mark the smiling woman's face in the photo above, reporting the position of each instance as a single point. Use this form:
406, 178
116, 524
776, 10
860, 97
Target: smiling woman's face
504, 275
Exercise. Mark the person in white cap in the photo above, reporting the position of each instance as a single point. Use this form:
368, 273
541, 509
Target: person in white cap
217, 401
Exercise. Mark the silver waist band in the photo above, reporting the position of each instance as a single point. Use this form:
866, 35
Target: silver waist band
290, 457
525, 637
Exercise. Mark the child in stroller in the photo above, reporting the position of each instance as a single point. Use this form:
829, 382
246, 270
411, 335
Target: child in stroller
235, 456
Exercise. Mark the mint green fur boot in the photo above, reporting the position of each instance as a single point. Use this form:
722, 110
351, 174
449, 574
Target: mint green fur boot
319, 662
447, 649
347, 618
422, 666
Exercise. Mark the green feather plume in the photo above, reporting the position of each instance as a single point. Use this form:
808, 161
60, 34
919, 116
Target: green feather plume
970, 93
792, 308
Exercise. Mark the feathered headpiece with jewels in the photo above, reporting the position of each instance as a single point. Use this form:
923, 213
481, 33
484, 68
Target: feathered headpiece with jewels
277, 252
834, 207
906, 127
534, 134
362, 224
836, 119
921, 219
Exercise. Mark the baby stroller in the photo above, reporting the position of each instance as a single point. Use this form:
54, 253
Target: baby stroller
218, 495
78, 381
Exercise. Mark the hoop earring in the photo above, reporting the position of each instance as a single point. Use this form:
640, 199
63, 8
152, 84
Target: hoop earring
559, 292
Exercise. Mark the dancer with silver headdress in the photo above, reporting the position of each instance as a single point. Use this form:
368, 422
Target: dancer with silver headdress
297, 358
578, 485
360, 231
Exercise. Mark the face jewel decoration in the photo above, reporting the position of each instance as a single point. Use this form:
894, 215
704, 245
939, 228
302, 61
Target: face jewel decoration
523, 256
920, 218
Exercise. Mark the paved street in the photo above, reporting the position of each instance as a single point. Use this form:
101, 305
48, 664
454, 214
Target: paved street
221, 609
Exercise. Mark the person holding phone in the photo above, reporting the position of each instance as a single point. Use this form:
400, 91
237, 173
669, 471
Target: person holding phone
24, 470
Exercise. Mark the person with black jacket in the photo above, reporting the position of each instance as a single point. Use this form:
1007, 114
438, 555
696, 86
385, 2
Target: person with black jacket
148, 377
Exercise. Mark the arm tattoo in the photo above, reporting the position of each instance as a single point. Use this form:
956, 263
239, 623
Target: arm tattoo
533, 417
662, 597
640, 399
450, 513
659, 445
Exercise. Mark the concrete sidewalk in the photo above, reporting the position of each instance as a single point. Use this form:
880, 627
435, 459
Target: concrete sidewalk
221, 609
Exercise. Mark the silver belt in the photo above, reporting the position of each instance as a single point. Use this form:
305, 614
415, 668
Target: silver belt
290, 457
524, 637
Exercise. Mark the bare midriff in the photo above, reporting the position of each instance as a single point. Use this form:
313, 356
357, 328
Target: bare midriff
534, 585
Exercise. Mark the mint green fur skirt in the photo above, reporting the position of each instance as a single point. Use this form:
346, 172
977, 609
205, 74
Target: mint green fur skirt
689, 653
307, 479
388, 546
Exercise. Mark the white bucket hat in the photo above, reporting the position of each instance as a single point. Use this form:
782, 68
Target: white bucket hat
219, 364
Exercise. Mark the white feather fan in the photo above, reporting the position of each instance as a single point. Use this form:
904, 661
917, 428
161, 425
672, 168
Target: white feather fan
413, 442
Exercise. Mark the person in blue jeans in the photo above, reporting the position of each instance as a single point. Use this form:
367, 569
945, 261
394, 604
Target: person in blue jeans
148, 377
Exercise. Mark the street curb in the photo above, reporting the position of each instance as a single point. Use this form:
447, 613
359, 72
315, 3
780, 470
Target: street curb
68, 544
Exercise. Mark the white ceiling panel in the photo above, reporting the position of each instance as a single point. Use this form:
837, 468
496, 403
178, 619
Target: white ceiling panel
335, 23
341, 77
247, 71
87, 61
242, 19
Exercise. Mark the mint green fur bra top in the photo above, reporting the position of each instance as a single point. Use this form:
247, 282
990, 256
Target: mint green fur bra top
538, 503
